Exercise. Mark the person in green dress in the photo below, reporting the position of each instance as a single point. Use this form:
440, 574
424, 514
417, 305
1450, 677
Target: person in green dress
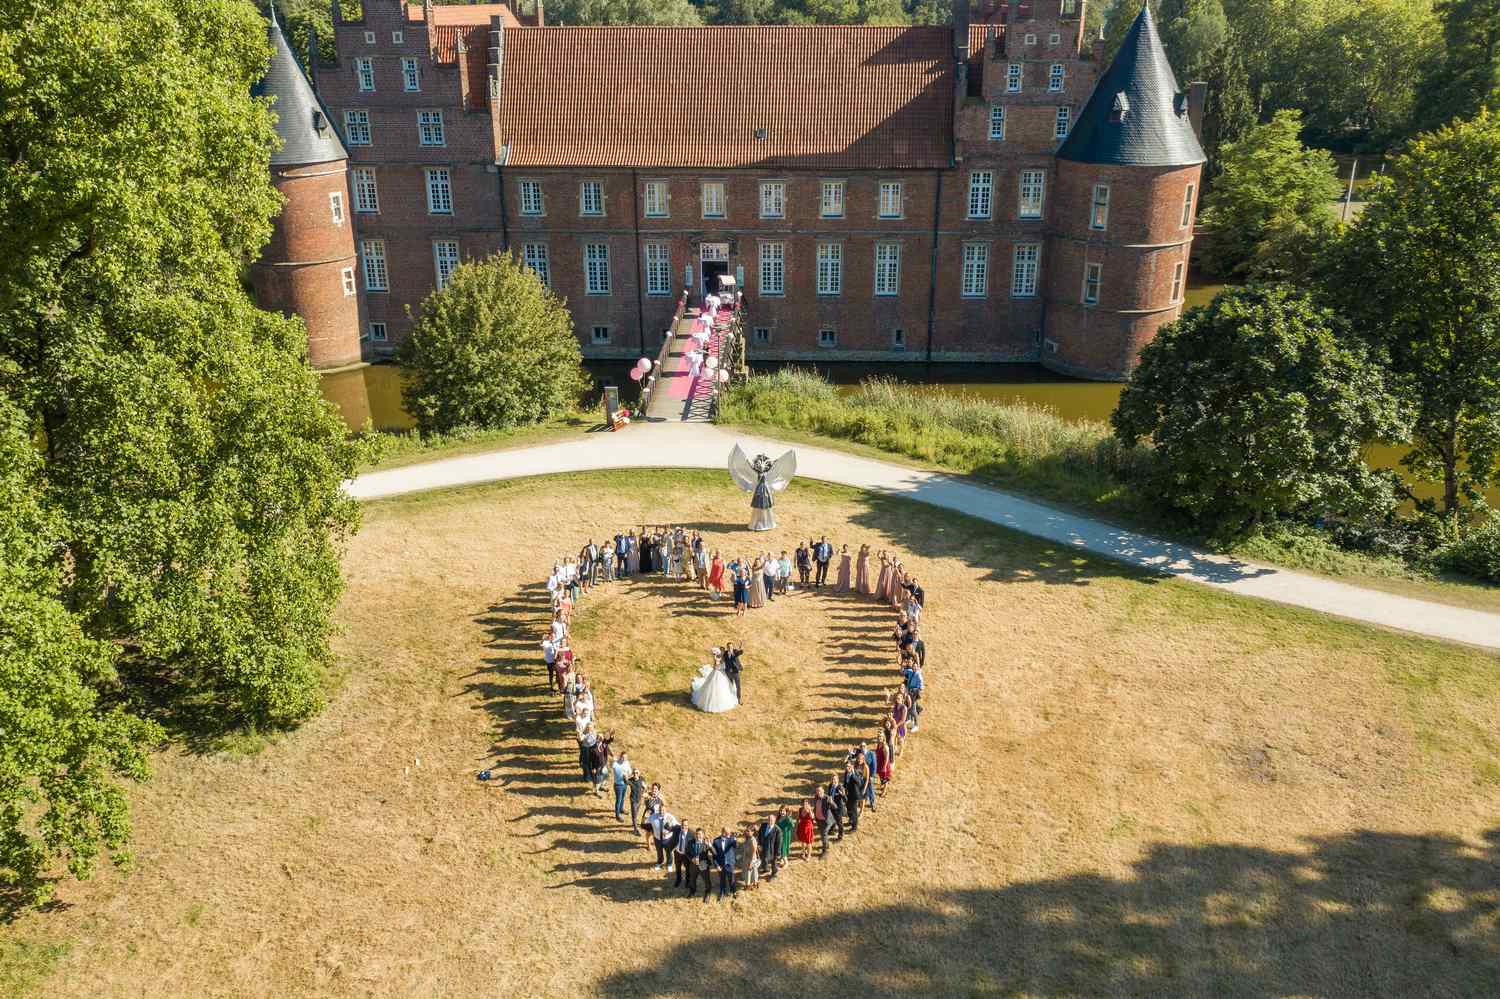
787, 826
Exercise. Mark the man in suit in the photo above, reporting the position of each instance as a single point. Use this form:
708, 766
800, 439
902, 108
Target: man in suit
837, 806
680, 849
768, 577
724, 860
804, 564
637, 784
854, 794
770, 845
697, 845
593, 560
622, 551
732, 655
822, 818
823, 554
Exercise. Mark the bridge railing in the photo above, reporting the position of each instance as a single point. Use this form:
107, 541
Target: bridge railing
648, 390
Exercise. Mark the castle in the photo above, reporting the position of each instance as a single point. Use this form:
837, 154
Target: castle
985, 191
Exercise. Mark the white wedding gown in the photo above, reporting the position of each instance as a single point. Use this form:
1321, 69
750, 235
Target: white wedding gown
713, 692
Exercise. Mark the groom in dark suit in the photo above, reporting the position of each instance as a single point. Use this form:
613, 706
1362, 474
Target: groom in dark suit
732, 655
724, 860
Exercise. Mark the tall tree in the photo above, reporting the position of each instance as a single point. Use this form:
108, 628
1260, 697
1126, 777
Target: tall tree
189, 459
62, 753
1357, 70
1420, 273
1467, 76
1193, 32
1259, 407
663, 12
1269, 211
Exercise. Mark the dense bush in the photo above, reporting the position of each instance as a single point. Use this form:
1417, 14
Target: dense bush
1477, 553
1259, 409
492, 349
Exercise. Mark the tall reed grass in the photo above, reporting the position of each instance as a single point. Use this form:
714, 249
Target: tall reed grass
1018, 444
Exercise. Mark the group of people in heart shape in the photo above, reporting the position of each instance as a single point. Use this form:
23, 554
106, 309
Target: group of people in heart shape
758, 850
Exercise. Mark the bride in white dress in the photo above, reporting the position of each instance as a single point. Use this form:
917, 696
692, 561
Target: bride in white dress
712, 690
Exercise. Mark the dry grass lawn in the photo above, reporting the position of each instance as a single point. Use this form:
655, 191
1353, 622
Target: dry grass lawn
1123, 787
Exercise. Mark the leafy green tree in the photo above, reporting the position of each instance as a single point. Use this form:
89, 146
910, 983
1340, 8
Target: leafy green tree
1269, 211
62, 752
189, 460
1358, 69
1467, 76
1193, 32
494, 348
661, 12
1419, 272
1117, 21
1258, 407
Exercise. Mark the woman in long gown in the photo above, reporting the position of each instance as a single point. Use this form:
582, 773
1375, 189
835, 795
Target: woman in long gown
898, 576
862, 581
884, 580
805, 829
712, 690
757, 585
716, 576
788, 828
635, 554
842, 585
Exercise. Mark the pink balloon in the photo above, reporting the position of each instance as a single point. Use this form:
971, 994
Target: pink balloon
636, 374
644, 364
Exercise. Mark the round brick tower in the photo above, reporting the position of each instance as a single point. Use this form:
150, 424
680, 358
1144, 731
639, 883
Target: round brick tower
308, 268
1125, 198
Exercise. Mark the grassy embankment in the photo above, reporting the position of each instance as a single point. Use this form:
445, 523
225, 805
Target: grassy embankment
1030, 449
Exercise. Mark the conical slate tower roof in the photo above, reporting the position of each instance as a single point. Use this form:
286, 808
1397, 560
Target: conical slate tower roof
1136, 116
307, 135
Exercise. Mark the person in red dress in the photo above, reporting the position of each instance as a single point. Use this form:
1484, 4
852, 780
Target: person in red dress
805, 829
716, 576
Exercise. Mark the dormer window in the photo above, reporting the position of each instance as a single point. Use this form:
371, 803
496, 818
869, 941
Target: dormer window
1121, 108
1180, 104
318, 122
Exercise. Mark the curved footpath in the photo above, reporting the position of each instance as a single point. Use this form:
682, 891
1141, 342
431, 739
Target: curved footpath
679, 445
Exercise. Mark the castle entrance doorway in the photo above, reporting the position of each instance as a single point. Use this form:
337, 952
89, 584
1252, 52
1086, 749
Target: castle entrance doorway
714, 258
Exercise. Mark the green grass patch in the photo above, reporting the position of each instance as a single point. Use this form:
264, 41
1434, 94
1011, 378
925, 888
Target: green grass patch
25, 964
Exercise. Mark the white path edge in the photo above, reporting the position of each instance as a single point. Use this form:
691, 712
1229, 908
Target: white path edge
674, 445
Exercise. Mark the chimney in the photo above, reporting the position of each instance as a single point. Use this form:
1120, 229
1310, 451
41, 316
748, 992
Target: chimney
961, 31
1197, 100
541, 15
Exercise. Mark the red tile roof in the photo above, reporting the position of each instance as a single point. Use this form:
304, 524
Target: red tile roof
826, 97
474, 13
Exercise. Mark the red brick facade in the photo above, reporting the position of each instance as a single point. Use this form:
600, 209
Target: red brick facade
950, 287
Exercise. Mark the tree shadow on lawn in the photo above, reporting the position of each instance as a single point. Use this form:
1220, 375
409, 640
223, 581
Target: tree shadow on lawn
1359, 914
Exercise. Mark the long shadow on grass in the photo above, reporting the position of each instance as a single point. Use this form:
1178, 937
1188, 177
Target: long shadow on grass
1358, 914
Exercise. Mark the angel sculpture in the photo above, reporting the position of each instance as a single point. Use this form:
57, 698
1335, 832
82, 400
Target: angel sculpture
761, 477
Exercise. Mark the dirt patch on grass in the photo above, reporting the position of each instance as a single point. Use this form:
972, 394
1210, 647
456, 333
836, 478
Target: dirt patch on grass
1123, 786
